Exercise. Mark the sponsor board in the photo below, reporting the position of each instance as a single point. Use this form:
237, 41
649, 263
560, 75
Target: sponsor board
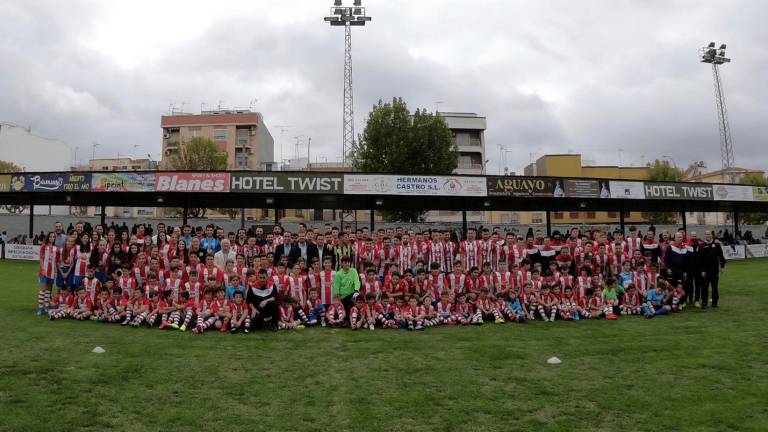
356, 184
733, 193
520, 186
5, 183
192, 182
65, 182
570, 188
627, 189
22, 252
123, 182
759, 193
287, 183
734, 252
757, 251
679, 191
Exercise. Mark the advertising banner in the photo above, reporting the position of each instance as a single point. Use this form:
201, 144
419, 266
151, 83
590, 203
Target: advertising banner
571, 188
520, 186
757, 250
22, 252
702, 192
357, 184
735, 252
72, 182
5, 183
287, 183
192, 182
759, 193
123, 182
627, 189
733, 193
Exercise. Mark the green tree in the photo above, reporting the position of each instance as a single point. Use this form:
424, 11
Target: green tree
394, 141
661, 171
754, 179
200, 154
10, 167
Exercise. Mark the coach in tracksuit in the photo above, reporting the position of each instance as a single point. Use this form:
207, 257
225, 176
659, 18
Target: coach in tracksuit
710, 262
676, 260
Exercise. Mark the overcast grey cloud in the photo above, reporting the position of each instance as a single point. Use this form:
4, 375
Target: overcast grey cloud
550, 76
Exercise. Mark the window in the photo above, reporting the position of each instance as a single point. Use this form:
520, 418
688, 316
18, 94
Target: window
573, 215
558, 215
612, 215
514, 218
194, 132
626, 214
241, 160
644, 215
219, 134
537, 218
299, 213
591, 215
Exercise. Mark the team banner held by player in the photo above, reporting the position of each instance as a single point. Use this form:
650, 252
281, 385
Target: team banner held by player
65, 182
520, 186
360, 184
123, 182
287, 183
192, 182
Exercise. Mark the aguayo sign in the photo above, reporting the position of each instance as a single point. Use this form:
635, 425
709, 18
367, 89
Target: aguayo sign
679, 191
192, 182
520, 186
414, 185
287, 183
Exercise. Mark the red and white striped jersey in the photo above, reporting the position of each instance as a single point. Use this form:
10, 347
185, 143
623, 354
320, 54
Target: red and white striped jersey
175, 286
81, 259
297, 287
489, 253
633, 244
450, 255
632, 300
63, 298
436, 255
444, 309
463, 309
194, 290
458, 283
582, 284
286, 313
420, 251
92, 287
601, 263
326, 286
385, 255
205, 272
404, 255
371, 287
512, 254
612, 246
280, 283
615, 263
83, 303
502, 281
49, 260
140, 275
336, 312
127, 285
436, 285
470, 253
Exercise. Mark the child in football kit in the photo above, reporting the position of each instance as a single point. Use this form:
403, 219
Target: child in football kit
444, 308
315, 308
593, 305
463, 313
288, 319
167, 310
654, 303
430, 313
204, 312
61, 305
515, 306
414, 314
611, 299
356, 320
336, 315
133, 307
548, 304
82, 307
241, 317
677, 296
631, 301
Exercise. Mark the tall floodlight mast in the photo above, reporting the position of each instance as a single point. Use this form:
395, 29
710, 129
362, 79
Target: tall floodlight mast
348, 16
716, 57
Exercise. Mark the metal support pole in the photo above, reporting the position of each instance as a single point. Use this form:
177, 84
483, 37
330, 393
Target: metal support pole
464, 223
185, 214
277, 216
549, 222
685, 222
242, 218
373, 222
31, 221
104, 217
621, 219
735, 223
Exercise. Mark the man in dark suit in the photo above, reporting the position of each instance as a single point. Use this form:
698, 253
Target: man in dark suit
324, 250
289, 249
307, 249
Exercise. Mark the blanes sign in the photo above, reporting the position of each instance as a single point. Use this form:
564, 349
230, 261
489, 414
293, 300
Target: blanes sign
192, 182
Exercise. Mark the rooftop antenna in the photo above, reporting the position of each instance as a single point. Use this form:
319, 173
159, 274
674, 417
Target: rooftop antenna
202, 106
252, 105
282, 129
298, 143
347, 16
218, 108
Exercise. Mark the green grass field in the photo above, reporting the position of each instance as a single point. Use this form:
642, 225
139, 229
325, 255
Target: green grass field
696, 371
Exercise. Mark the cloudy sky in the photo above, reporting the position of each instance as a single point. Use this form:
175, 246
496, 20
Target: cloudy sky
550, 76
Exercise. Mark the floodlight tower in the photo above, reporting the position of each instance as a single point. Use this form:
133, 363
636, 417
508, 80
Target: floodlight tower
348, 16
716, 57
